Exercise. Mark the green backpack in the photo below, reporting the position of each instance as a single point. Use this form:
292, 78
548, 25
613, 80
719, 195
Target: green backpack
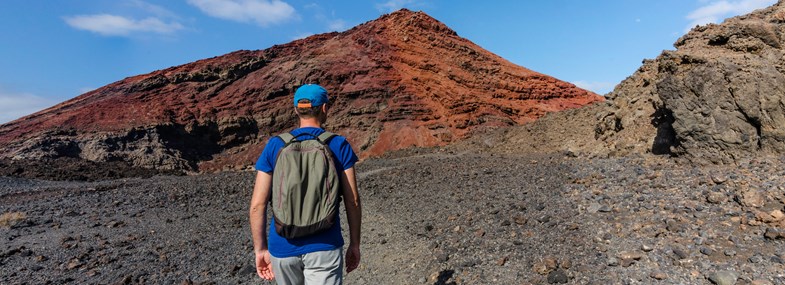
305, 186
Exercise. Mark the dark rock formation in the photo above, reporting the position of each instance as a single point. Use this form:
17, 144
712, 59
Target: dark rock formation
718, 97
402, 80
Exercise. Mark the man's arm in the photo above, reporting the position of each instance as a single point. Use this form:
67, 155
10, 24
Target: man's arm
258, 217
351, 201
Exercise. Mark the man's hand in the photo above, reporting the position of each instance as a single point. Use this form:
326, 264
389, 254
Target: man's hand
352, 258
263, 265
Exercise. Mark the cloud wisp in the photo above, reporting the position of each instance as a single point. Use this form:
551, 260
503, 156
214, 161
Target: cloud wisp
149, 19
16, 105
114, 25
260, 12
716, 11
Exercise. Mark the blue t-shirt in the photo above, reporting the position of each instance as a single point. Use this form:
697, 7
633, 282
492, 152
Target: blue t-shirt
331, 238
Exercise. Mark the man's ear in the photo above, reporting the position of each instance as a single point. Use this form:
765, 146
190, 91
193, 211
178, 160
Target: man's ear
325, 108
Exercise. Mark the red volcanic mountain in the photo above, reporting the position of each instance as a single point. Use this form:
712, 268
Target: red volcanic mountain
402, 80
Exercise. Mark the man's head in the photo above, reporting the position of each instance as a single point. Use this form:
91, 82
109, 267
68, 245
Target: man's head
310, 101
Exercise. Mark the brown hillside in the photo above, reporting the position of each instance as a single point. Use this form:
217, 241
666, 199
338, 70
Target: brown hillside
402, 80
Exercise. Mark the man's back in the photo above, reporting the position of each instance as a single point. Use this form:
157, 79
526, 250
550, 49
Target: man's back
328, 240
313, 259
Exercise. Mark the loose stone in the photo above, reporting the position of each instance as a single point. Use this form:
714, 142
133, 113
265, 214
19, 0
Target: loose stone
612, 261
557, 277
659, 275
774, 234
716, 198
550, 263
723, 277
629, 258
680, 253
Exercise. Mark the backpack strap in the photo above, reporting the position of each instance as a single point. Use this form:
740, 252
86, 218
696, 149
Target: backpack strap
326, 136
289, 137
286, 137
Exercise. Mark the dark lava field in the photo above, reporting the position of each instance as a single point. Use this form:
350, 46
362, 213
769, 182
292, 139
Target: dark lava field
430, 216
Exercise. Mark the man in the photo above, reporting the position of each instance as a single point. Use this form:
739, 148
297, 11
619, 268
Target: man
317, 258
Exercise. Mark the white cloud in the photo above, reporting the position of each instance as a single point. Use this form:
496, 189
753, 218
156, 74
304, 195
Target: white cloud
596, 87
716, 11
16, 105
113, 25
393, 5
261, 12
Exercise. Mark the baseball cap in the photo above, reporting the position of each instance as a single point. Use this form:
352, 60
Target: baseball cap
313, 92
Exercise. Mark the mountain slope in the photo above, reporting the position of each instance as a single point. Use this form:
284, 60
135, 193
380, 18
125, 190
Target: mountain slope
402, 80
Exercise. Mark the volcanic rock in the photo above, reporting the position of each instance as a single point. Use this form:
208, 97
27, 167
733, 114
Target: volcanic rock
723, 277
773, 233
718, 98
402, 80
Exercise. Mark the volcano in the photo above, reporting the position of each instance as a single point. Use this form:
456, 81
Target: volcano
402, 80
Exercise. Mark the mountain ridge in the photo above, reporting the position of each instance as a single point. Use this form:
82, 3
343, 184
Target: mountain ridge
402, 80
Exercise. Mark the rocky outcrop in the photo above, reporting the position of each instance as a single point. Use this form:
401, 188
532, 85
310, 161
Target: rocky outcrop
718, 97
402, 80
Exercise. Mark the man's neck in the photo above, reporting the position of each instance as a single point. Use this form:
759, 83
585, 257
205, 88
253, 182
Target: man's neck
312, 123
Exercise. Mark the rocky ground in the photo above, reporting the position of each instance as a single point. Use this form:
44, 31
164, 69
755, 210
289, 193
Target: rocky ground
431, 216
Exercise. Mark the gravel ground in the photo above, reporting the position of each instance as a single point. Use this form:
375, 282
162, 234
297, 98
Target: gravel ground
431, 216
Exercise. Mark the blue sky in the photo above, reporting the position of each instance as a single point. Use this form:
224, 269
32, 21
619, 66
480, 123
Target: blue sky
54, 50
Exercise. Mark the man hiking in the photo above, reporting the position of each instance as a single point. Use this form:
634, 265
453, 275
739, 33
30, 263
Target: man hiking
304, 174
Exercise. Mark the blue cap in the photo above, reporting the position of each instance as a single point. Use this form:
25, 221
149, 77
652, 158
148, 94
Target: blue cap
314, 93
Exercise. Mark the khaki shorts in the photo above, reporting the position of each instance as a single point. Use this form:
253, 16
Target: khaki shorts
321, 267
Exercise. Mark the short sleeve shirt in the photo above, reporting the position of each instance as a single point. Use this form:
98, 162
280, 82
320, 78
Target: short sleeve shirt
330, 239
